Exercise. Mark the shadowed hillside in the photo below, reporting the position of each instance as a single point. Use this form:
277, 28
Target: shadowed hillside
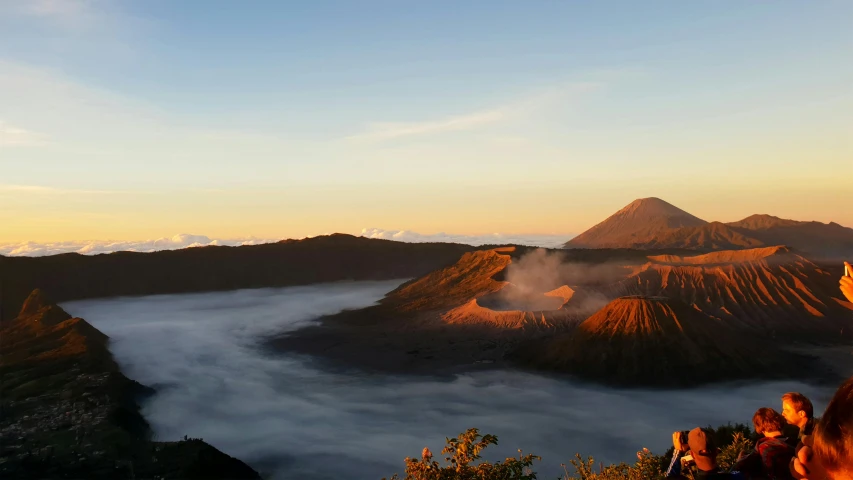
66, 411
290, 262
769, 290
659, 341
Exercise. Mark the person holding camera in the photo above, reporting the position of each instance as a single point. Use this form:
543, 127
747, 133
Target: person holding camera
698, 450
772, 452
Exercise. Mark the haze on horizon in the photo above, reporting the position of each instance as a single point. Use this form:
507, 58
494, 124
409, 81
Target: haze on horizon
142, 119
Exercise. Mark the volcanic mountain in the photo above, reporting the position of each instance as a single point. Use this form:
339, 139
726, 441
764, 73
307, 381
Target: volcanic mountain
826, 240
472, 291
651, 223
64, 398
638, 223
770, 290
656, 341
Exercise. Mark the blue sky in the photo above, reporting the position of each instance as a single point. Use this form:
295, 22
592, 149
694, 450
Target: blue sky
143, 119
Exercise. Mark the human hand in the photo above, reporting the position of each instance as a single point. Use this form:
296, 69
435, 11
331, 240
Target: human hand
846, 283
803, 465
676, 442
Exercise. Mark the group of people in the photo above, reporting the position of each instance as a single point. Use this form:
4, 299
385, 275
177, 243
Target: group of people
821, 449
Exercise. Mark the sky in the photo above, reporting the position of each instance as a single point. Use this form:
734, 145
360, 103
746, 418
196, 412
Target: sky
131, 120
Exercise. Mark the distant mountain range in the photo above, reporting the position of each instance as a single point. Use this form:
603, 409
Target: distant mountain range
328, 258
651, 223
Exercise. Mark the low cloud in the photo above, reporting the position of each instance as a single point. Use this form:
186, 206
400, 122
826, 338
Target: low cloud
546, 241
289, 418
38, 249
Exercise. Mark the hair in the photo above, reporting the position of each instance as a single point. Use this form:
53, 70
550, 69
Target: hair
833, 434
800, 402
767, 420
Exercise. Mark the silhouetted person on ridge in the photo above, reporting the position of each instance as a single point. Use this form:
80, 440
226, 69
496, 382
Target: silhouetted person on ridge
828, 453
700, 445
799, 412
772, 453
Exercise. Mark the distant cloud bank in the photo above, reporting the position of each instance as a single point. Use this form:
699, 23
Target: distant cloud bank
184, 240
548, 241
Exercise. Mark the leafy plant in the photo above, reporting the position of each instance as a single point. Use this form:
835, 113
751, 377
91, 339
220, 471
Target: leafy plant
461, 453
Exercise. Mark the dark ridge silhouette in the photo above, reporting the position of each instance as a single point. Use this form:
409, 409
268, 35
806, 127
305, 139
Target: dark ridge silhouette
67, 411
291, 262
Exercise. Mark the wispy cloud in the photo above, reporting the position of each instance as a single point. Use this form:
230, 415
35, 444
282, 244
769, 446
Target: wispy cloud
379, 131
44, 190
390, 130
69, 13
12, 136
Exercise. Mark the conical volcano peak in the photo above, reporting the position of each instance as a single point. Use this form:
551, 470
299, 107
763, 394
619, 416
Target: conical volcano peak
654, 206
638, 222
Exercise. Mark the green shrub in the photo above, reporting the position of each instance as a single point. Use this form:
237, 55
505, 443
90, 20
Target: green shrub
461, 453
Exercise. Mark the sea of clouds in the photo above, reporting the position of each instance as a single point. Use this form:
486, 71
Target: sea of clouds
547, 241
184, 240
290, 417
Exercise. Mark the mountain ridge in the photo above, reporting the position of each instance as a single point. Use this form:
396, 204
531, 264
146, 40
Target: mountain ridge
75, 415
651, 223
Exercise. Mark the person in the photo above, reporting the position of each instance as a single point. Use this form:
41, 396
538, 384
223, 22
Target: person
828, 453
846, 283
772, 453
799, 412
700, 445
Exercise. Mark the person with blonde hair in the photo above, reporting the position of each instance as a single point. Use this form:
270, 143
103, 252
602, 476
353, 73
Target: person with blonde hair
799, 412
828, 453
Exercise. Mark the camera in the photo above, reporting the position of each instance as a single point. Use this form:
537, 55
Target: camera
682, 439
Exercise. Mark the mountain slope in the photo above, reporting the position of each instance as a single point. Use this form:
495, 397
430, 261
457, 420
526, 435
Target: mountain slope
711, 236
656, 341
66, 411
816, 238
771, 290
637, 223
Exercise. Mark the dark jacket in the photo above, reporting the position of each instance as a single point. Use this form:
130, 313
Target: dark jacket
807, 429
769, 460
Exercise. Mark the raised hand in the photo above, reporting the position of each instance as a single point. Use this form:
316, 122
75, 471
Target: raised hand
846, 283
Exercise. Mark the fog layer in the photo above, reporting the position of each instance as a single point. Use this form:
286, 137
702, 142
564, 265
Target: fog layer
288, 417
